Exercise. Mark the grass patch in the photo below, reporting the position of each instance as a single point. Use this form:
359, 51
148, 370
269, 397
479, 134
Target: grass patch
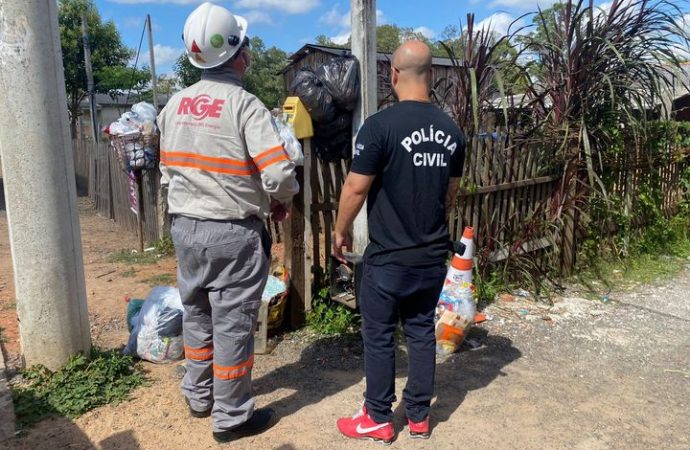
106, 378
133, 257
161, 249
659, 253
164, 279
129, 273
3, 339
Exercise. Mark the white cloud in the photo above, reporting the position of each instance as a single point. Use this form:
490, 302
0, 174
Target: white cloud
288, 6
500, 23
426, 32
254, 17
165, 55
341, 39
335, 19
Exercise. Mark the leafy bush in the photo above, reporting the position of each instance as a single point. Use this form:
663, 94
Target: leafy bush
107, 377
330, 318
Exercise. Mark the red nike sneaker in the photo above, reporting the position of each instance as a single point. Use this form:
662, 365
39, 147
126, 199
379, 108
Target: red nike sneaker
419, 430
362, 426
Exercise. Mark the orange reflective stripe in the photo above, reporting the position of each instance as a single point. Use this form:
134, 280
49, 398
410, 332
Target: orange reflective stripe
208, 167
199, 354
274, 160
210, 159
269, 152
231, 372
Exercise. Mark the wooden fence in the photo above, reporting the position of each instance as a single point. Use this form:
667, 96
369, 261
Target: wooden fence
505, 186
99, 175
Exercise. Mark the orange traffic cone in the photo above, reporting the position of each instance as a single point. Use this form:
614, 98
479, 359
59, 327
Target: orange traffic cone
460, 270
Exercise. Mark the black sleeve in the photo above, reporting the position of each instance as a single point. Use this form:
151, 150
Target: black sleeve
369, 151
457, 159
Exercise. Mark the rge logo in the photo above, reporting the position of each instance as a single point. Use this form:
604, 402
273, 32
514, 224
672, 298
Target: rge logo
201, 107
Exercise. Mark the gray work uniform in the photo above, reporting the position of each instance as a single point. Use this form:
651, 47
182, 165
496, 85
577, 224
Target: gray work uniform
222, 161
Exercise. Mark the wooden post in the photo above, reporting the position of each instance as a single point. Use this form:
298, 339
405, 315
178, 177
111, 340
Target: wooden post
363, 21
298, 245
140, 210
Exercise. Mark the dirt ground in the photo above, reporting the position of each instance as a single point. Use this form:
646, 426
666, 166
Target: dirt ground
581, 374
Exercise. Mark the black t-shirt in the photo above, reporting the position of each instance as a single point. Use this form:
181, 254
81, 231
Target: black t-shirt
413, 149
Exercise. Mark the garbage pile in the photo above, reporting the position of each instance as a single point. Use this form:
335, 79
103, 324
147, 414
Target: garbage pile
155, 326
330, 95
134, 137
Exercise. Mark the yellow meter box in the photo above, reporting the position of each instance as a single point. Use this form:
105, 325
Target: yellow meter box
298, 117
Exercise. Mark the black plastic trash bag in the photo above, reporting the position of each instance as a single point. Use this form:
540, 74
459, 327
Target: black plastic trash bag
315, 96
341, 77
341, 123
333, 148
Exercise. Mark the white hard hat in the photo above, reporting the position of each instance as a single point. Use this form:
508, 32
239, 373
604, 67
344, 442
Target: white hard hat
212, 35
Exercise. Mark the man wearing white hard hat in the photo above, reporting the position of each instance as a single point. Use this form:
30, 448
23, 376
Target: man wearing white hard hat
227, 171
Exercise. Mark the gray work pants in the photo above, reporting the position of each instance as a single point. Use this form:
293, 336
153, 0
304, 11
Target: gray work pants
222, 271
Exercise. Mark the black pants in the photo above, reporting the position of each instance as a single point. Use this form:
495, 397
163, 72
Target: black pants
388, 294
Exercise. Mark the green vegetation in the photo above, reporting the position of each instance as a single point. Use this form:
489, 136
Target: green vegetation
129, 273
161, 249
133, 257
330, 318
164, 279
107, 377
165, 246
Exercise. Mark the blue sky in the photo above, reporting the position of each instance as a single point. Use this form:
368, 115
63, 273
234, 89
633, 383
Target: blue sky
289, 24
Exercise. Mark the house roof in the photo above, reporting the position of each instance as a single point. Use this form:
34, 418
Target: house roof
121, 100
338, 51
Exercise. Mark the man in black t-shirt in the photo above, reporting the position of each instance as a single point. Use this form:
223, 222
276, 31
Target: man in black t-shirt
407, 163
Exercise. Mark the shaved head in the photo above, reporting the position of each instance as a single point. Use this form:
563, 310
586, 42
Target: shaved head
411, 74
413, 58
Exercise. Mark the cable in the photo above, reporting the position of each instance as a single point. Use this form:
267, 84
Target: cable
136, 63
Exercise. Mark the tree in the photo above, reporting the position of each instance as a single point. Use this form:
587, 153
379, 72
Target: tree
185, 71
109, 56
262, 78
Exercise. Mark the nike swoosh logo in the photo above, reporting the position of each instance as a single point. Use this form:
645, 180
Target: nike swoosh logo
361, 430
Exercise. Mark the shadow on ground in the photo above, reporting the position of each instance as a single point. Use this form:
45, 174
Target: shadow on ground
331, 365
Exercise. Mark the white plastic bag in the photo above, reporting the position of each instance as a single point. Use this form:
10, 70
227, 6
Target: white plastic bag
145, 111
157, 333
292, 144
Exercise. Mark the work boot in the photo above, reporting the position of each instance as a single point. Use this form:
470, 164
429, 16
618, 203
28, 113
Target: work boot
419, 430
362, 426
260, 421
198, 414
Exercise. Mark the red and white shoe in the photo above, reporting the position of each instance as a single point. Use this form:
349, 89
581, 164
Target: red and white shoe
362, 426
419, 430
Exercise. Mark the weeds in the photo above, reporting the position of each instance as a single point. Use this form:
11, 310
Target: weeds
330, 318
107, 377
161, 249
129, 273
133, 257
3, 339
164, 279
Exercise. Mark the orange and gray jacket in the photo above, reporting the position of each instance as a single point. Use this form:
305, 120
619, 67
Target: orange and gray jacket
221, 156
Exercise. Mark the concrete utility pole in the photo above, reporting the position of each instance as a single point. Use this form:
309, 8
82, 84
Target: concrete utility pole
152, 60
40, 190
89, 76
363, 19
